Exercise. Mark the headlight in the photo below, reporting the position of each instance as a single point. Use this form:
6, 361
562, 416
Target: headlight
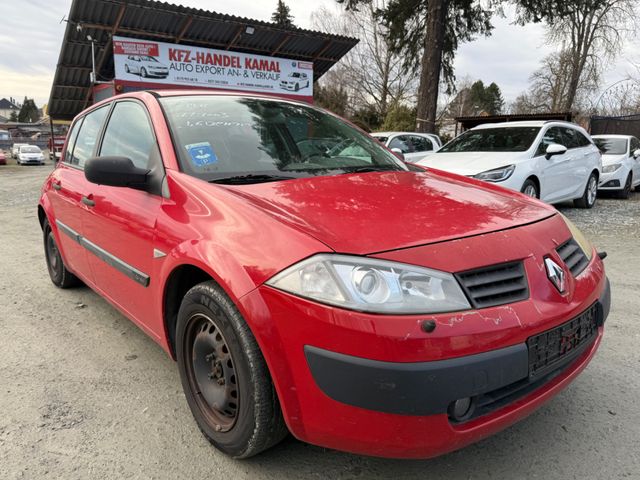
365, 284
579, 237
611, 168
497, 175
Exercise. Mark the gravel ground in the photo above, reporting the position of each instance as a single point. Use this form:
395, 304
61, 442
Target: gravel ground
85, 394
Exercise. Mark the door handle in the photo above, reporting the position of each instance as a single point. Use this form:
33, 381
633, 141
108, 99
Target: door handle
56, 186
88, 202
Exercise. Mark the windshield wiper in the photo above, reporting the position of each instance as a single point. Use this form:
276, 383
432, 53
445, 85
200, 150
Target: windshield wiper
379, 168
249, 178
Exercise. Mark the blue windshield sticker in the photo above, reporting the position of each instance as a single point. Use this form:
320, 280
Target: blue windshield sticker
201, 154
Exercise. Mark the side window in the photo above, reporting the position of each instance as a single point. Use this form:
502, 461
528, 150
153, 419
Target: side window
583, 140
88, 136
572, 136
553, 135
401, 143
635, 145
129, 134
73, 135
421, 144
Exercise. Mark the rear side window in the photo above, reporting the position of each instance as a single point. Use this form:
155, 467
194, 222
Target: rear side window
421, 144
129, 134
88, 136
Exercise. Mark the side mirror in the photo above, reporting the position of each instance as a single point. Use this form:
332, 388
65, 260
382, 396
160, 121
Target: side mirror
398, 153
636, 153
116, 172
555, 149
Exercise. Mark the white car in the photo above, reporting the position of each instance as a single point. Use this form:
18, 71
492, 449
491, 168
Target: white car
550, 160
146, 66
620, 163
413, 146
295, 81
15, 149
30, 154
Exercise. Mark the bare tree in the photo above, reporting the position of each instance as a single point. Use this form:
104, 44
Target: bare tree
373, 74
590, 33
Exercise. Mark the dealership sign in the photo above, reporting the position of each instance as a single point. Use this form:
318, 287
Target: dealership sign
141, 61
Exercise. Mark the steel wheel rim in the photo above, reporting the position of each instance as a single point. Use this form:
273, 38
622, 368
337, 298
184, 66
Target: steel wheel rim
530, 191
592, 190
211, 372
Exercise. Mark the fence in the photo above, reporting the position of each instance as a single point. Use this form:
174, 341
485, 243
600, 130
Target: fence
7, 144
624, 125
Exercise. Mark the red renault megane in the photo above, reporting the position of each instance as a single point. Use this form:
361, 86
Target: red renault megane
307, 281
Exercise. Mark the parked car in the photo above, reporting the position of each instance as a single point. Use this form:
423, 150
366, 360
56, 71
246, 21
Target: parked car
620, 163
307, 293
552, 161
146, 66
295, 81
15, 149
30, 155
413, 146
3, 158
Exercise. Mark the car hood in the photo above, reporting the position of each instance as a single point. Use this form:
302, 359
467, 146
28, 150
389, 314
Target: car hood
381, 211
609, 159
471, 163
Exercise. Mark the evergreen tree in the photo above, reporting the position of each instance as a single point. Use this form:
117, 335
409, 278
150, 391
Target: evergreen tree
282, 16
13, 117
28, 112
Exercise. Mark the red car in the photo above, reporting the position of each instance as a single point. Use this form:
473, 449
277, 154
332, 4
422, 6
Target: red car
322, 288
3, 158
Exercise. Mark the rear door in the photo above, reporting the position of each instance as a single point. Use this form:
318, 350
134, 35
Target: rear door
121, 224
635, 145
70, 190
583, 158
421, 147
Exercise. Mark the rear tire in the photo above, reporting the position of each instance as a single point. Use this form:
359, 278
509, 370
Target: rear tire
59, 273
625, 193
224, 375
588, 199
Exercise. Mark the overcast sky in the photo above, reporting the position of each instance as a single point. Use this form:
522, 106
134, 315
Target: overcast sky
31, 34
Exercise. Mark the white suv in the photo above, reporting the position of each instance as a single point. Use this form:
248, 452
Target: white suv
552, 161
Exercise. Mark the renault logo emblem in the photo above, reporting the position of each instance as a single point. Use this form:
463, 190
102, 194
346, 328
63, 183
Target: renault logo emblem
556, 274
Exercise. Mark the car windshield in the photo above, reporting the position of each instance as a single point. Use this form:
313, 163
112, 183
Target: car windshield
502, 139
295, 75
29, 149
220, 137
612, 146
147, 58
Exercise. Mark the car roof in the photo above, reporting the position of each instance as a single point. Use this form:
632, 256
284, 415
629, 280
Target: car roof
388, 134
526, 123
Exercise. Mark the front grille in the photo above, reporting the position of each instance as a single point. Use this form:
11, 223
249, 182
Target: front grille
551, 348
495, 285
573, 256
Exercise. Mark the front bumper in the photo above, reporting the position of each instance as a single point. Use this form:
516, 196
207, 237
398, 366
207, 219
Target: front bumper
398, 408
614, 180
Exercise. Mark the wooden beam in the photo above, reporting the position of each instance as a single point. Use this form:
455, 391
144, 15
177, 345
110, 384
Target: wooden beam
281, 44
187, 23
235, 37
318, 56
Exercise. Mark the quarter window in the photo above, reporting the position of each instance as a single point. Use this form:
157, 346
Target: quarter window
88, 136
129, 134
73, 135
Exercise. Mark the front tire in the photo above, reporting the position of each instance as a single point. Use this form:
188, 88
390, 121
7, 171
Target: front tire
530, 189
588, 199
143, 72
625, 193
60, 275
224, 375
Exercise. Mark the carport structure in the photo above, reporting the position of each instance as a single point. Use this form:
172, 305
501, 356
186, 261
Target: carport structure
97, 21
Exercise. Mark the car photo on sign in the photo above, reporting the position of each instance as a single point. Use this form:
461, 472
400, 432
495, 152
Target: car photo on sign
145, 66
295, 81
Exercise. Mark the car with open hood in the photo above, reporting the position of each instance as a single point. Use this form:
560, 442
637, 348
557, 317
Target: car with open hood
553, 161
338, 294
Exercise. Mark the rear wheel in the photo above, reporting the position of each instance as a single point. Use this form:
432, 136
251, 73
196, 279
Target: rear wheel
60, 275
224, 376
530, 188
588, 199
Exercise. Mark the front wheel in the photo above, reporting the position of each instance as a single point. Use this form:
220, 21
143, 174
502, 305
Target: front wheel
588, 199
625, 193
530, 189
224, 375
143, 72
